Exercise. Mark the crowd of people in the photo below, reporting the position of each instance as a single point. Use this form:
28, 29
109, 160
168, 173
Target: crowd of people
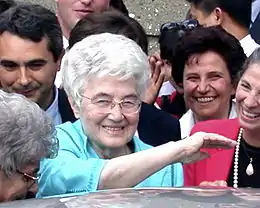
85, 107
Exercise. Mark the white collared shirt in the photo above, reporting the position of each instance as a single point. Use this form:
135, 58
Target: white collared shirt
248, 44
58, 79
187, 120
53, 110
166, 89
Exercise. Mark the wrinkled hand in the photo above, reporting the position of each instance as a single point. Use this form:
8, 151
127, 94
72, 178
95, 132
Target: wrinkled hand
214, 183
156, 80
195, 142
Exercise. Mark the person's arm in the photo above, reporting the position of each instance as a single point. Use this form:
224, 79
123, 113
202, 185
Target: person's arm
129, 170
71, 172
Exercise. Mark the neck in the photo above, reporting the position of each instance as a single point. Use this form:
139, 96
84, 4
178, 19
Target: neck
236, 30
251, 138
223, 115
109, 153
65, 28
48, 99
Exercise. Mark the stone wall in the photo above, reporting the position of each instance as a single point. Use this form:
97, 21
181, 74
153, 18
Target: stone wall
150, 13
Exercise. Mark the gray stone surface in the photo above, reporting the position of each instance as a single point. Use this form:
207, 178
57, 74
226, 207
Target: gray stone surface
150, 13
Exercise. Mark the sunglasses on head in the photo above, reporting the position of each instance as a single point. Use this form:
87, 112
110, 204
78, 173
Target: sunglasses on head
183, 25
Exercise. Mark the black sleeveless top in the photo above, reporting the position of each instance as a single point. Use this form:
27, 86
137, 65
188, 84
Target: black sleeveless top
246, 152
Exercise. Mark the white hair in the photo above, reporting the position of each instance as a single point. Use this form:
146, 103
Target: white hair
27, 134
103, 55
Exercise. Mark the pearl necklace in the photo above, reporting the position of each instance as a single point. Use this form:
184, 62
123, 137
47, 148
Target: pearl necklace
249, 169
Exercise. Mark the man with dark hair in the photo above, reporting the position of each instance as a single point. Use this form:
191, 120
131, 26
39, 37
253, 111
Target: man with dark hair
110, 21
69, 12
155, 127
233, 15
30, 54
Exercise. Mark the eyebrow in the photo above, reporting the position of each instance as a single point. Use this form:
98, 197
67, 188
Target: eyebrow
8, 62
215, 72
244, 81
36, 61
28, 63
102, 94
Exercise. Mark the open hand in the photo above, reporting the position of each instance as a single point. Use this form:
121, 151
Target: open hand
195, 142
156, 80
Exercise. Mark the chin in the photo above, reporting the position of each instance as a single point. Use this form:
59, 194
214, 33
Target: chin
248, 126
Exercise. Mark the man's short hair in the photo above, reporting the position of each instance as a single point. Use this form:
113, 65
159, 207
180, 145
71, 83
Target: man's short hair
110, 21
33, 22
238, 10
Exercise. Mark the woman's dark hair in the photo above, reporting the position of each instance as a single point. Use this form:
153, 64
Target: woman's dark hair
201, 40
254, 58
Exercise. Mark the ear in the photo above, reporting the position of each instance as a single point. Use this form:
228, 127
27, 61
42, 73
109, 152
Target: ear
219, 15
74, 107
60, 60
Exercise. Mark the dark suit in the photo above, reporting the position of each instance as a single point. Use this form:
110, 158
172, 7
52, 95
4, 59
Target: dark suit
65, 110
157, 127
255, 29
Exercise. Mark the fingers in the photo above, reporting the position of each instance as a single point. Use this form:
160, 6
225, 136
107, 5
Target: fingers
152, 62
211, 140
214, 183
155, 81
158, 74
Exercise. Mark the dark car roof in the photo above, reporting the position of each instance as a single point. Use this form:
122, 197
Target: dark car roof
152, 198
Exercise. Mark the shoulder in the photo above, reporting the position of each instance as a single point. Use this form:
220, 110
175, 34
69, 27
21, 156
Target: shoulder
140, 145
156, 127
70, 134
226, 127
152, 113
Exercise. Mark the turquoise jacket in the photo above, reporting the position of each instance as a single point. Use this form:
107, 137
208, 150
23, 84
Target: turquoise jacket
77, 168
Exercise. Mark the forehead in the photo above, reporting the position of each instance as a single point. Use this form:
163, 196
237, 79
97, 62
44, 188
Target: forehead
207, 61
252, 75
110, 85
17, 48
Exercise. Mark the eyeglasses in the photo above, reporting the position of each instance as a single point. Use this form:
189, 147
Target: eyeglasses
184, 25
29, 179
105, 105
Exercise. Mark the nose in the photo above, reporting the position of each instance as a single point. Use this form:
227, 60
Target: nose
116, 113
203, 87
24, 77
251, 101
86, 2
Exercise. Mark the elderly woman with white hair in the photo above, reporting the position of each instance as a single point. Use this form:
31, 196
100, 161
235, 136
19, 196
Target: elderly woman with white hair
26, 136
105, 76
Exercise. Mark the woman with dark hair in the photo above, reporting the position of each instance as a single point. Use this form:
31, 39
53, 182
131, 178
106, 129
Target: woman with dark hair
238, 167
205, 64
